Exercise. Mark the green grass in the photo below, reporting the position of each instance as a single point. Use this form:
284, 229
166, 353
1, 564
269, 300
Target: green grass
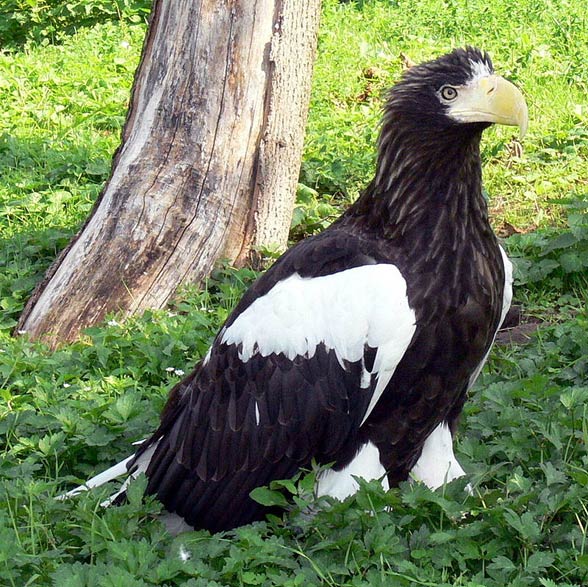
65, 415
541, 46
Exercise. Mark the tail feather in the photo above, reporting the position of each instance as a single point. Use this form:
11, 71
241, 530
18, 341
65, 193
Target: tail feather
138, 467
174, 523
109, 475
118, 470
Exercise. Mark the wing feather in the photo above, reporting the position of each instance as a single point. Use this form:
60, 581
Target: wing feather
289, 379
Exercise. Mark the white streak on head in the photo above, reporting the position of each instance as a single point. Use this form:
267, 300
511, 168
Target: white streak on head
480, 69
256, 414
437, 464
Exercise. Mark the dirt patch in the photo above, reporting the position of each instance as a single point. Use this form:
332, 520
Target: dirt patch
517, 328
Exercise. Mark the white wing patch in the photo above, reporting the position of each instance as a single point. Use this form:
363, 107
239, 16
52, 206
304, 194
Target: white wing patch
345, 311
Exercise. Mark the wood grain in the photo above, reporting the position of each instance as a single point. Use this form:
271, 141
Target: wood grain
207, 166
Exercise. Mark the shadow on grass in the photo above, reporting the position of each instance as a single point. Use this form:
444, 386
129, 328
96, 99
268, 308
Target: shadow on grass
41, 164
24, 259
51, 20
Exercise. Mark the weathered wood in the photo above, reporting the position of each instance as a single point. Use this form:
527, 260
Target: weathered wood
208, 163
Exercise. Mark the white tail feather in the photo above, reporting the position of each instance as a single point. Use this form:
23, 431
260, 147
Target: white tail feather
100, 479
114, 472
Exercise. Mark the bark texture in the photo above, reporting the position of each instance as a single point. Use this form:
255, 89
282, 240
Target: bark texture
208, 163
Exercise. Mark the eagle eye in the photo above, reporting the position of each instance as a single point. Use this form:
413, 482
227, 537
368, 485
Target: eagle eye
448, 93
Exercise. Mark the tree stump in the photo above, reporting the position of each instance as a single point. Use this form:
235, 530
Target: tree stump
207, 167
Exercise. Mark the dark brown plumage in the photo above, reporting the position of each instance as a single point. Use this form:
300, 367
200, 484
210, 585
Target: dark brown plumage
366, 336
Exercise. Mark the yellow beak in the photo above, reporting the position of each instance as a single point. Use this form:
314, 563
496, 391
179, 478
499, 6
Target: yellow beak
491, 99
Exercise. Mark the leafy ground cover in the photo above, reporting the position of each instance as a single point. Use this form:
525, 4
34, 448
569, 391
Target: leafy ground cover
65, 74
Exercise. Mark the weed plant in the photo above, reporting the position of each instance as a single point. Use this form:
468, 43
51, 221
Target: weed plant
65, 415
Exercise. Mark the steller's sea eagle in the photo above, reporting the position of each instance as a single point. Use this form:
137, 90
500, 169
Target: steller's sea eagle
358, 346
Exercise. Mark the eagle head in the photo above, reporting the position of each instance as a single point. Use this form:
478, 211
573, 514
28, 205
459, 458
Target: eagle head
457, 92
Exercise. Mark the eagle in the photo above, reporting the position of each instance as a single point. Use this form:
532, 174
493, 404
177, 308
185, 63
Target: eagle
357, 348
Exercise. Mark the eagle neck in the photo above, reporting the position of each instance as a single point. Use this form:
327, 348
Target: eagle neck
426, 193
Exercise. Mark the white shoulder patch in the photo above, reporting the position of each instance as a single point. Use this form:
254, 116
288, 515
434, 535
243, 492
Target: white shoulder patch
345, 311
